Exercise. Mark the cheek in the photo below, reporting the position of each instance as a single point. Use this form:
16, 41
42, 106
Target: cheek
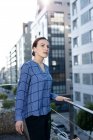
38, 51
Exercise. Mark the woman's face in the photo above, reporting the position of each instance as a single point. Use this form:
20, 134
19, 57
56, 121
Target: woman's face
42, 48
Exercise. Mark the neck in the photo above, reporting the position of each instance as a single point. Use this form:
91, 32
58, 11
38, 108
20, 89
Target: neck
38, 60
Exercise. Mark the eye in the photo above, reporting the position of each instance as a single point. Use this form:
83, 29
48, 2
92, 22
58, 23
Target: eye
47, 46
42, 45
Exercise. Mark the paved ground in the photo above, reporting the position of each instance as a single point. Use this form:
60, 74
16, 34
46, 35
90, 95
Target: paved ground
15, 137
12, 137
18, 137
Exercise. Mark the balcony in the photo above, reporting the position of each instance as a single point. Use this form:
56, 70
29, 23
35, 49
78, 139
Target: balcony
63, 125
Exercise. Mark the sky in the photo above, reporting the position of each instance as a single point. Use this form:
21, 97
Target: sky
12, 15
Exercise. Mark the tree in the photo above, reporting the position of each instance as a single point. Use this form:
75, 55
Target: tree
85, 120
14, 89
53, 106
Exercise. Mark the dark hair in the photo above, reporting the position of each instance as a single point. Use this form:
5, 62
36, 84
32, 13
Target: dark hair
35, 43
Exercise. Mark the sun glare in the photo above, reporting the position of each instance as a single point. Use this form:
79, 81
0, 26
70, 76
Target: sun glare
45, 2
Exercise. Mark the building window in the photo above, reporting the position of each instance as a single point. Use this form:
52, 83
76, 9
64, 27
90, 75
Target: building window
57, 40
75, 42
57, 17
70, 63
58, 77
69, 16
39, 33
75, 23
69, 28
88, 78
91, 13
74, 7
70, 75
57, 29
91, 57
85, 17
85, 38
58, 2
70, 52
86, 98
26, 29
84, 3
59, 89
87, 58
76, 60
76, 78
69, 40
77, 96
68, 3
52, 15
58, 53
91, 35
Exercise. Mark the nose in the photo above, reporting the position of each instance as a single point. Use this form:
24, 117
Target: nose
46, 48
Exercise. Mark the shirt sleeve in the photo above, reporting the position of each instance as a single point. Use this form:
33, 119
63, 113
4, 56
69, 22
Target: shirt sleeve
53, 96
22, 90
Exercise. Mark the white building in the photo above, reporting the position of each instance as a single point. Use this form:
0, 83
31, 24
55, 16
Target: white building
24, 47
19, 54
82, 50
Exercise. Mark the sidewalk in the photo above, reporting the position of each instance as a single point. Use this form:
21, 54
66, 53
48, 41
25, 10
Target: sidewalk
12, 137
17, 137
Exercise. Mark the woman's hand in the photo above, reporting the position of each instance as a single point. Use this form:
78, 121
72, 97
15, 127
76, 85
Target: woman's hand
19, 127
61, 98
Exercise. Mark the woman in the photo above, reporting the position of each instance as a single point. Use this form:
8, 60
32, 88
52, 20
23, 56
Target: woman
34, 93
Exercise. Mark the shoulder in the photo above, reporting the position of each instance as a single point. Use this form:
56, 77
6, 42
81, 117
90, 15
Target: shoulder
27, 65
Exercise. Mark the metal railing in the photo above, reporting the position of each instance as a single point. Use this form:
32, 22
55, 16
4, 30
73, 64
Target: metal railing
68, 120
69, 127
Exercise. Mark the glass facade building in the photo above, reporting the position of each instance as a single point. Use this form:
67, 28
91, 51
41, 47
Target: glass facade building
57, 52
53, 22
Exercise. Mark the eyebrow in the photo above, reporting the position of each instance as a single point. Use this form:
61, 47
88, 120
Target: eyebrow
44, 44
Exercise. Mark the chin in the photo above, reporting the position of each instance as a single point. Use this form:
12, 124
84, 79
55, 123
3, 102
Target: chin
44, 56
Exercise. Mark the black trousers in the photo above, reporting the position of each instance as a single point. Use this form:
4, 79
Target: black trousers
39, 127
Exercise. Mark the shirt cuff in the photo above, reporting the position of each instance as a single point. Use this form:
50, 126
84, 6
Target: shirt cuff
53, 95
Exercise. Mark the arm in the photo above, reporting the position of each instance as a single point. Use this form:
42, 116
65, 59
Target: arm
22, 90
62, 98
58, 98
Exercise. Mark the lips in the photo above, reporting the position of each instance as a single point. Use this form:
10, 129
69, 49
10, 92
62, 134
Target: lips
45, 52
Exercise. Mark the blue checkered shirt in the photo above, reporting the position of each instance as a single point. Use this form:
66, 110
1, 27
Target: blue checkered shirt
33, 91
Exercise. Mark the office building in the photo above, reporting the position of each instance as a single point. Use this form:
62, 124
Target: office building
19, 54
82, 50
53, 22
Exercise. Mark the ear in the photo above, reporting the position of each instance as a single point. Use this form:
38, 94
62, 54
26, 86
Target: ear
35, 49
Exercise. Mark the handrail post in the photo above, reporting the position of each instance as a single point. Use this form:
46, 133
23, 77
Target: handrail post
71, 118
